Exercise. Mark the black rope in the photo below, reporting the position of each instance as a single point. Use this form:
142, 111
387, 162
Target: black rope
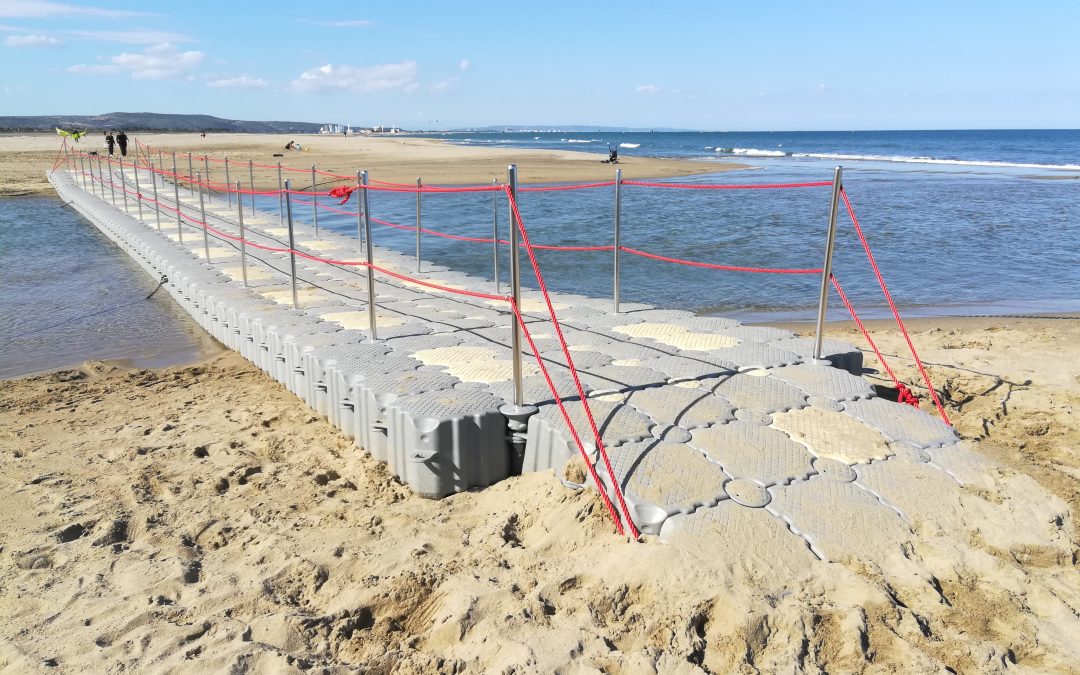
164, 280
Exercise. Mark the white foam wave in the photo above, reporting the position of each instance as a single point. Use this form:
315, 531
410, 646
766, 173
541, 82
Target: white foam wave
576, 140
629, 145
900, 159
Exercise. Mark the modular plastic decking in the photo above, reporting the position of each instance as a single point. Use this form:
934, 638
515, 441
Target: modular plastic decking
711, 426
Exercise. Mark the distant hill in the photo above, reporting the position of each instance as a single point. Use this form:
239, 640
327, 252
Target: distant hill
145, 121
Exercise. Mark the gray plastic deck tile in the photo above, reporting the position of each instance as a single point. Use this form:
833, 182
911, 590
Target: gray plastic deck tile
754, 390
825, 381
687, 408
901, 422
868, 530
755, 452
660, 479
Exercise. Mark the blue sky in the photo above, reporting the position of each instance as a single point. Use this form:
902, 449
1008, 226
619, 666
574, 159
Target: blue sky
695, 65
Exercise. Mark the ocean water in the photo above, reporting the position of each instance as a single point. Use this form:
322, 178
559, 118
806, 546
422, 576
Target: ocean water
960, 222
68, 294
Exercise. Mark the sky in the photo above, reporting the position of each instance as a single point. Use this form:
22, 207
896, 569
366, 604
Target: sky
720, 65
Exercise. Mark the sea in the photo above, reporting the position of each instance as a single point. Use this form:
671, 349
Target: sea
963, 223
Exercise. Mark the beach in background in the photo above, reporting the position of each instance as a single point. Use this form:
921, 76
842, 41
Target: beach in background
210, 515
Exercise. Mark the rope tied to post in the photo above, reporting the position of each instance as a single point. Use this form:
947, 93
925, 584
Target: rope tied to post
343, 192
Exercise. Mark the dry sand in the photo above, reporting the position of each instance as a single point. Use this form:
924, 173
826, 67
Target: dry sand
201, 519
24, 159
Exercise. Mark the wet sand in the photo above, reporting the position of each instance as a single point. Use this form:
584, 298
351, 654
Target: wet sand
25, 158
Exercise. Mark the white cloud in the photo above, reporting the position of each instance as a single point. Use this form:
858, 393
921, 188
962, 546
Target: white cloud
242, 82
464, 65
131, 37
648, 89
382, 77
36, 9
33, 41
8, 29
444, 86
93, 69
345, 23
160, 62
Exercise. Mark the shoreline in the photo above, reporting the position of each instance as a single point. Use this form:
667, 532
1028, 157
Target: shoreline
24, 159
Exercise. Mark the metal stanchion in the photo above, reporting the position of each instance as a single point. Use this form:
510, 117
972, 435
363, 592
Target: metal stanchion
123, 185
515, 285
93, 188
190, 174
243, 239
359, 217
495, 232
112, 183
419, 184
160, 164
618, 227
372, 333
314, 202
138, 190
251, 183
228, 182
157, 205
292, 245
826, 270
202, 214
206, 172
82, 171
101, 178
176, 198
281, 198
517, 414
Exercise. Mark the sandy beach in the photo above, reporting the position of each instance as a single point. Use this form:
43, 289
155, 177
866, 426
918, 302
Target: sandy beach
24, 159
201, 518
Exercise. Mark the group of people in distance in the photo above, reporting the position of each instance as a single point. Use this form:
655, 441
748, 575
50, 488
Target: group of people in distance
120, 139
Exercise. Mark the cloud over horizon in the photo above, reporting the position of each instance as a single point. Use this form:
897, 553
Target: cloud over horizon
39, 41
358, 79
242, 82
159, 62
38, 9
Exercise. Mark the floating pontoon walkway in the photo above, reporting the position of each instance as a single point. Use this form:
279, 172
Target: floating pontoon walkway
712, 427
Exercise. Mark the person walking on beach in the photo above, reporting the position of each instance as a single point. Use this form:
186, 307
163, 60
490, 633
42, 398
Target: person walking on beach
121, 139
109, 142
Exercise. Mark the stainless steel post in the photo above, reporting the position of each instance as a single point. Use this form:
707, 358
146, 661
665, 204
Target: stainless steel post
123, 185
101, 178
243, 240
372, 333
359, 217
157, 205
112, 183
314, 202
826, 270
515, 287
138, 190
419, 185
206, 172
495, 233
280, 198
228, 182
190, 175
160, 164
618, 229
251, 184
93, 187
82, 171
292, 245
176, 198
202, 213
